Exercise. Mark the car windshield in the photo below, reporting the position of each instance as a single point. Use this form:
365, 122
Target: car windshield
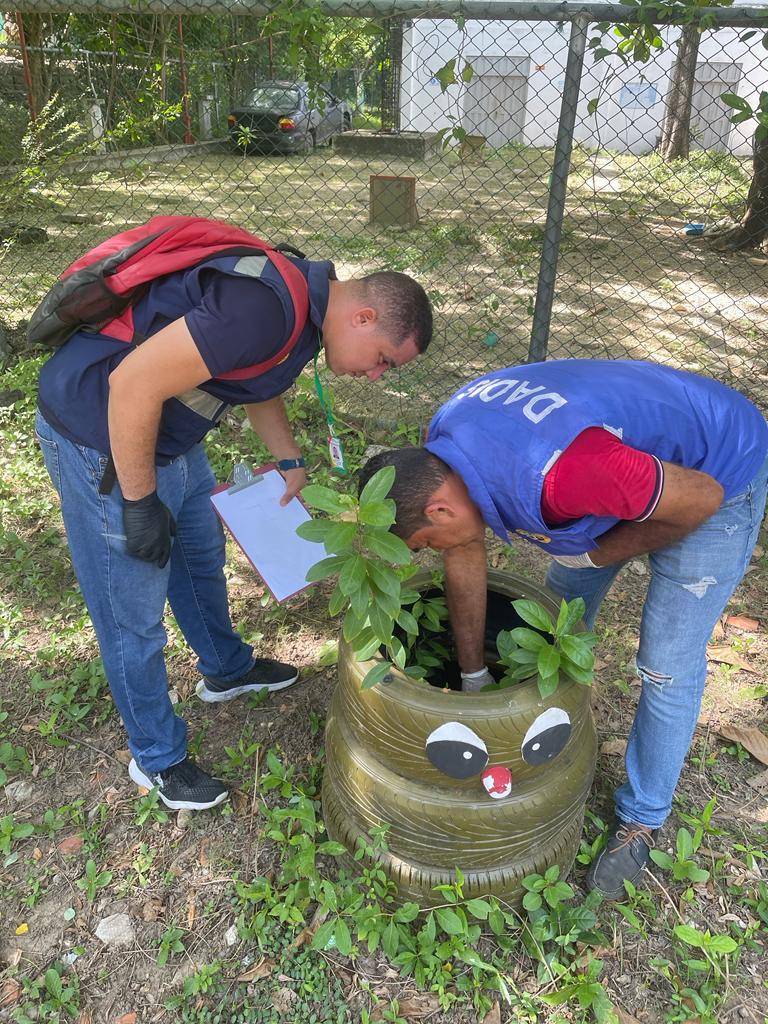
283, 100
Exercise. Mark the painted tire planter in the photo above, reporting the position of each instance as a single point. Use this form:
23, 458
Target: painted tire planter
380, 771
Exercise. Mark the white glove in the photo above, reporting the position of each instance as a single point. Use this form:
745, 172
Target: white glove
576, 561
471, 682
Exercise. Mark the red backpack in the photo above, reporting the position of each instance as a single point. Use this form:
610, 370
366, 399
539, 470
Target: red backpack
98, 291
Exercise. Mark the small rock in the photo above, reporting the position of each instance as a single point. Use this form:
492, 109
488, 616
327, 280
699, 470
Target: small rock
638, 568
116, 930
231, 936
184, 817
20, 792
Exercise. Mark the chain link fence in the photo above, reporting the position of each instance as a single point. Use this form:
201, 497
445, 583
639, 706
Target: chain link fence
440, 146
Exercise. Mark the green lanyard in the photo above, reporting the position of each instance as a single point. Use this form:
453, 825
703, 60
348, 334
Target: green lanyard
334, 443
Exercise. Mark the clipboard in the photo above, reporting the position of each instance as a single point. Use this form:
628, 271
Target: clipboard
266, 532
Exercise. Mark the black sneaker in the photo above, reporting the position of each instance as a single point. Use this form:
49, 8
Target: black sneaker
264, 674
623, 859
182, 786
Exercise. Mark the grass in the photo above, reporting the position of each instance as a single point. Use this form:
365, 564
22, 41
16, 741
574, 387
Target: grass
245, 913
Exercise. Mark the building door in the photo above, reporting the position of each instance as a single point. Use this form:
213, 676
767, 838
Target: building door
495, 99
710, 117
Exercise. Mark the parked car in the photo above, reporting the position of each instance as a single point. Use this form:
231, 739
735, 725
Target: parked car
281, 117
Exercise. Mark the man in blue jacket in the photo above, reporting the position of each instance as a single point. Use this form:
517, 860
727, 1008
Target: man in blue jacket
597, 462
144, 409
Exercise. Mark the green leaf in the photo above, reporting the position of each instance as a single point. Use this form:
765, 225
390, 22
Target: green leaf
569, 614
314, 530
532, 901
385, 578
323, 934
547, 685
449, 921
408, 912
391, 940
579, 675
467, 73
378, 487
446, 75
690, 936
592, 105
323, 498
375, 675
662, 859
479, 908
722, 944
408, 623
388, 603
534, 614
339, 537
381, 623
342, 936
336, 601
381, 513
732, 99
354, 623
548, 661
366, 645
326, 567
387, 546
528, 639
352, 574
578, 652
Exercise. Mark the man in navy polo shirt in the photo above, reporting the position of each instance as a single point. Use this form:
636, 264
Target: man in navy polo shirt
597, 462
154, 535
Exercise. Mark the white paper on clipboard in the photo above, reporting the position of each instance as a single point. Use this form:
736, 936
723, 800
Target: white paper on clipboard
266, 532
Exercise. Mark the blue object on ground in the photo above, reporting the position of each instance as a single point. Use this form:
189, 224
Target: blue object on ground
694, 229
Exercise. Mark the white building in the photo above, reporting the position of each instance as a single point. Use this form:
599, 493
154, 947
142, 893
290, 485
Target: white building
519, 68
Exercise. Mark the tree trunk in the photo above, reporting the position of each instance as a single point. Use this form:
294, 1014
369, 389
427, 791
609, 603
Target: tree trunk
753, 229
676, 129
36, 36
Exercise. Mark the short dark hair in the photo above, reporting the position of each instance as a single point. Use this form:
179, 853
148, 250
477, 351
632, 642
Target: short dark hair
402, 306
418, 474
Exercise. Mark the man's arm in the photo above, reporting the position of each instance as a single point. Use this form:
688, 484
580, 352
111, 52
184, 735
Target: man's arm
466, 589
687, 500
167, 364
270, 421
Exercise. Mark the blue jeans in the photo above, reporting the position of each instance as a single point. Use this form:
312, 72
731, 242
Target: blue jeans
691, 583
126, 596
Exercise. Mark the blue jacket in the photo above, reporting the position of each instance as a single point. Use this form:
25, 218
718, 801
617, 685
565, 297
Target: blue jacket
504, 431
74, 382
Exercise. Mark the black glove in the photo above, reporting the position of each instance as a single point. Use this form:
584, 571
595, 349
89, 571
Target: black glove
149, 527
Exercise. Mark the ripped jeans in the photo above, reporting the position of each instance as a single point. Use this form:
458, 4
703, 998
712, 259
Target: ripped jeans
691, 583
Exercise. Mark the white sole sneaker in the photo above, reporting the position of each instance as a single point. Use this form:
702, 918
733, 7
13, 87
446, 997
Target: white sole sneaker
138, 776
217, 697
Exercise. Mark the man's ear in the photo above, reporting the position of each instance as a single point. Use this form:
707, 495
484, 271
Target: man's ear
439, 511
364, 316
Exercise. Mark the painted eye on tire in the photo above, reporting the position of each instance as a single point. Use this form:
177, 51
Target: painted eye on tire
456, 751
547, 737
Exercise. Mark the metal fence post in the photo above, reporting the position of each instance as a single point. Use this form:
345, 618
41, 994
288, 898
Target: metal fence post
553, 227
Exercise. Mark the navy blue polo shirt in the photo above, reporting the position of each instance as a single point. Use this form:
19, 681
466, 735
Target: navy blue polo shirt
235, 321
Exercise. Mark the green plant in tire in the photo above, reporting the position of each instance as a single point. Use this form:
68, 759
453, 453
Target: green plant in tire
547, 649
372, 564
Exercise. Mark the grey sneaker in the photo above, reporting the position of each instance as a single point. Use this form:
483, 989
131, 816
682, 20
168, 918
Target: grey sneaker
623, 859
264, 674
183, 786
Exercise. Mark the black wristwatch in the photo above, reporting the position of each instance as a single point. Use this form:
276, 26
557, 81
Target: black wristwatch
290, 464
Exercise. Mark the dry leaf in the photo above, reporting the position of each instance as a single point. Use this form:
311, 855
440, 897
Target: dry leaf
127, 1018
727, 656
418, 1005
85, 1017
614, 747
626, 1018
308, 933
493, 1016
202, 858
191, 909
262, 969
72, 844
22, 929
124, 757
718, 632
283, 1000
742, 622
759, 782
753, 740
153, 909
10, 991
757, 551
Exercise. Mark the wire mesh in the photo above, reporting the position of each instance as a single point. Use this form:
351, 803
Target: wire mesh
467, 108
